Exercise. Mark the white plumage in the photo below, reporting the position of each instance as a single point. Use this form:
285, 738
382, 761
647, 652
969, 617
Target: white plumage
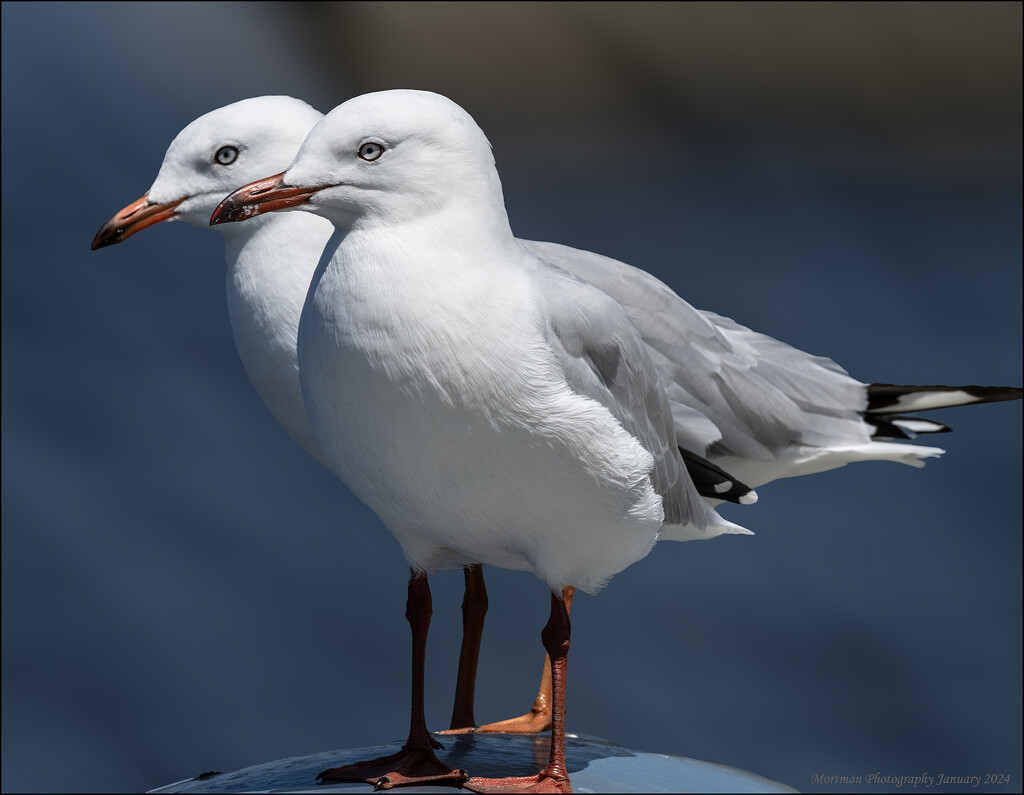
487, 406
269, 260
754, 406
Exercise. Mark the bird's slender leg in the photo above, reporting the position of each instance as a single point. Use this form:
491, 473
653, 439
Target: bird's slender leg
416, 763
538, 719
554, 777
474, 608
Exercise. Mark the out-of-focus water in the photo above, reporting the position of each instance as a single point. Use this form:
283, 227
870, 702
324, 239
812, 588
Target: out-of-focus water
185, 590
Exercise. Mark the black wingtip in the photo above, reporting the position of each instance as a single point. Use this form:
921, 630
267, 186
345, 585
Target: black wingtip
887, 426
889, 398
714, 482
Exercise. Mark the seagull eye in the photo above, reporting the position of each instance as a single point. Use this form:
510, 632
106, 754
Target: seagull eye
226, 155
370, 151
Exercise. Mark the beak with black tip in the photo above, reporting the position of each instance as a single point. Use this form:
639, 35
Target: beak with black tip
262, 196
134, 218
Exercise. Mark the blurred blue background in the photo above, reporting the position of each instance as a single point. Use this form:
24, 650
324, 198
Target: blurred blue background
185, 590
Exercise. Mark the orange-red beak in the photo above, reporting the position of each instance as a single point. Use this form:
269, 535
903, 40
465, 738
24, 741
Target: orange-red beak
262, 196
134, 218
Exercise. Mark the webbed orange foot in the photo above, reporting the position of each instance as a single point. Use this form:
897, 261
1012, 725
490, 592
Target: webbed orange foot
539, 783
534, 721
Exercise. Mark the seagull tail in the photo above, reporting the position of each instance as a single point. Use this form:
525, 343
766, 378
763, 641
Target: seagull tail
717, 526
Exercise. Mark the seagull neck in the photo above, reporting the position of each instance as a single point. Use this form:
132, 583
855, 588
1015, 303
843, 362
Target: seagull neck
270, 262
237, 236
268, 234
457, 218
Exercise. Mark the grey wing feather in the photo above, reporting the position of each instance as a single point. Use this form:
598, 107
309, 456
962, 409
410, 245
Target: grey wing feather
604, 358
733, 391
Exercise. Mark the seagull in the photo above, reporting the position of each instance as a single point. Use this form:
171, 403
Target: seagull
491, 407
488, 406
271, 260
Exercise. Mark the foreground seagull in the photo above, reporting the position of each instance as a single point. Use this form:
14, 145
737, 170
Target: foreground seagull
492, 408
488, 406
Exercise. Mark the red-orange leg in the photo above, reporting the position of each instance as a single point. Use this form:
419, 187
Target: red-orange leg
416, 763
538, 719
554, 777
474, 608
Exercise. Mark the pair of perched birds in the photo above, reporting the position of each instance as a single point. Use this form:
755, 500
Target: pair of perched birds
495, 401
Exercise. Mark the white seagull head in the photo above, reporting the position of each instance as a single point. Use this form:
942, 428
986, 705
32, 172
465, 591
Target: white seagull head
211, 157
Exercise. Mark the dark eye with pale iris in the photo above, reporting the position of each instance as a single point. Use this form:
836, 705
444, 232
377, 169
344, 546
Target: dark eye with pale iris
370, 151
226, 155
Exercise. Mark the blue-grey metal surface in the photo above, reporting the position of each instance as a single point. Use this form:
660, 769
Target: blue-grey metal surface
595, 765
